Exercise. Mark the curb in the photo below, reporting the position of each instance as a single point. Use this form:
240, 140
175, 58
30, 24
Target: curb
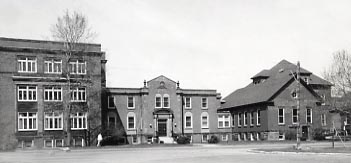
296, 153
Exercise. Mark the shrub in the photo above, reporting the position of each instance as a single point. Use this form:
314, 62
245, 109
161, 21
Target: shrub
319, 134
213, 140
183, 140
290, 135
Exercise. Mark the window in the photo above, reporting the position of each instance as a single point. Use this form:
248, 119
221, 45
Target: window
77, 67
204, 137
131, 102
324, 119
308, 115
78, 121
166, 101
233, 120
158, 101
187, 102
78, 94
252, 120
53, 121
204, 120
224, 137
131, 121
27, 64
239, 119
188, 120
295, 116
111, 122
223, 121
53, 94
204, 102
258, 115
27, 93
53, 66
294, 95
281, 117
111, 102
27, 121
245, 118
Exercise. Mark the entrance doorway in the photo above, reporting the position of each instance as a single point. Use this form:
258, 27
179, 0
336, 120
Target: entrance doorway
162, 127
304, 133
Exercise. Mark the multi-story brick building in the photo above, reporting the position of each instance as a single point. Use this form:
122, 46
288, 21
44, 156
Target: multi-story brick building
162, 109
267, 107
34, 90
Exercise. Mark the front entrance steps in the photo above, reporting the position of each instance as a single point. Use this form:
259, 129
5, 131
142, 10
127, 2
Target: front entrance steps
166, 140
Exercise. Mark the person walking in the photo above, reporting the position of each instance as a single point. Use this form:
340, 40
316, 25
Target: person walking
99, 139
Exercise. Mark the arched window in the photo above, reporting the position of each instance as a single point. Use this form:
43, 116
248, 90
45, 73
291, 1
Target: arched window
188, 120
204, 120
131, 121
158, 101
166, 101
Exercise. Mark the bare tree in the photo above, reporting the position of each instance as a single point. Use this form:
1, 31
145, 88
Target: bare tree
72, 29
339, 73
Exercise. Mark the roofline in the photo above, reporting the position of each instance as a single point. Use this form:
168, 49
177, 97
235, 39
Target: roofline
43, 41
245, 105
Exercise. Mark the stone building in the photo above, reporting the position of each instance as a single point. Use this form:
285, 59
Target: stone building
267, 107
161, 109
34, 90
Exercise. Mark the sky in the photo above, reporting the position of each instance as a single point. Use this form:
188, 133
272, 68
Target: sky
203, 44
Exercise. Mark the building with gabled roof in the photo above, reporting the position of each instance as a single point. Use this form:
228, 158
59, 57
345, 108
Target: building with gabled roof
267, 107
162, 110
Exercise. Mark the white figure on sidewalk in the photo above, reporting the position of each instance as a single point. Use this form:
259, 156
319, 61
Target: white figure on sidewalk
99, 139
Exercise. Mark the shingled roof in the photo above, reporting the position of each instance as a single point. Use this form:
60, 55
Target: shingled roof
278, 76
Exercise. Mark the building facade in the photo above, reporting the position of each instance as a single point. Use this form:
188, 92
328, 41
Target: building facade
161, 110
42, 88
267, 109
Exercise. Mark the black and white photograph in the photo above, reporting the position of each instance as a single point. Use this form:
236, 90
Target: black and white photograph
191, 81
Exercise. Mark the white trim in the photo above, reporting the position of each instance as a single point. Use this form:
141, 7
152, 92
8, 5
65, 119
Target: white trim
297, 116
53, 63
24, 63
258, 123
307, 115
239, 120
133, 102
188, 114
185, 102
156, 97
75, 118
78, 65
27, 118
79, 92
206, 102
245, 118
27, 91
252, 121
52, 118
206, 136
222, 118
283, 123
131, 114
169, 101
204, 114
224, 137
52, 90
323, 118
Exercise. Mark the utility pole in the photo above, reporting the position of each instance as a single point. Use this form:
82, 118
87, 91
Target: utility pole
298, 141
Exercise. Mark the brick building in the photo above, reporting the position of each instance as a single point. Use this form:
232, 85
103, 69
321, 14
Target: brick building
34, 90
156, 110
267, 107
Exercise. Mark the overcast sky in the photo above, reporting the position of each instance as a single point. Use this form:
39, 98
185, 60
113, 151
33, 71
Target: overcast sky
203, 44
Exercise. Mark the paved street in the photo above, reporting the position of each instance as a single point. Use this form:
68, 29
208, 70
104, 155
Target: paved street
170, 154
